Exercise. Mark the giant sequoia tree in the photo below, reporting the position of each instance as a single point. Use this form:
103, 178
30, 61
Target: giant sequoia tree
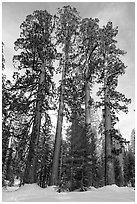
5, 116
110, 67
89, 34
36, 58
66, 26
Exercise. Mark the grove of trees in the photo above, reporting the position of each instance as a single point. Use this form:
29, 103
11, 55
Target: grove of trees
85, 55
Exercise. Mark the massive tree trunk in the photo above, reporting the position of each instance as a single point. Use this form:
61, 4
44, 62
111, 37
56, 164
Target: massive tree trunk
122, 168
30, 175
120, 160
87, 105
58, 136
109, 166
88, 125
74, 133
6, 174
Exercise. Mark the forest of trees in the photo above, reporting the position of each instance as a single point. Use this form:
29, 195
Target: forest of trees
92, 152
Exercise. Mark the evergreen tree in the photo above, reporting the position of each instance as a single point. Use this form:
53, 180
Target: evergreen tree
45, 154
118, 154
67, 23
35, 85
129, 168
82, 160
6, 123
110, 67
89, 30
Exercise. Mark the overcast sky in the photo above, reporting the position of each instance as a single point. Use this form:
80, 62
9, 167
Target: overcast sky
122, 14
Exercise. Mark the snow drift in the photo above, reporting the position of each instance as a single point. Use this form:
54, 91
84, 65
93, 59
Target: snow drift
33, 193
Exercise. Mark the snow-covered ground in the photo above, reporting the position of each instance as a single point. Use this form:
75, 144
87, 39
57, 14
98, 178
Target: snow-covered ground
33, 193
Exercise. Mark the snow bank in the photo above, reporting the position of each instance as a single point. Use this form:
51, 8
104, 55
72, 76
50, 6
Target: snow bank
33, 193
28, 192
110, 188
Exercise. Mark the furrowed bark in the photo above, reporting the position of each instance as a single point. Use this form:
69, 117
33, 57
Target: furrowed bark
30, 175
87, 106
109, 166
58, 137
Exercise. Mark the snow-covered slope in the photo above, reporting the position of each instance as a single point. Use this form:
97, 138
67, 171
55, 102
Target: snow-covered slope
33, 193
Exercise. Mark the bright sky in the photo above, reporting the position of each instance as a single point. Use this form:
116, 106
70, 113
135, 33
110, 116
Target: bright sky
122, 14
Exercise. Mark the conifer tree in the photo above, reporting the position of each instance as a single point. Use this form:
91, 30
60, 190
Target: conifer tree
67, 24
89, 30
6, 123
110, 67
35, 85
129, 168
45, 153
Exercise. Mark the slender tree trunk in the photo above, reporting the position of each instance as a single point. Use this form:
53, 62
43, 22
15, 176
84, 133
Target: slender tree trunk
30, 175
109, 166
